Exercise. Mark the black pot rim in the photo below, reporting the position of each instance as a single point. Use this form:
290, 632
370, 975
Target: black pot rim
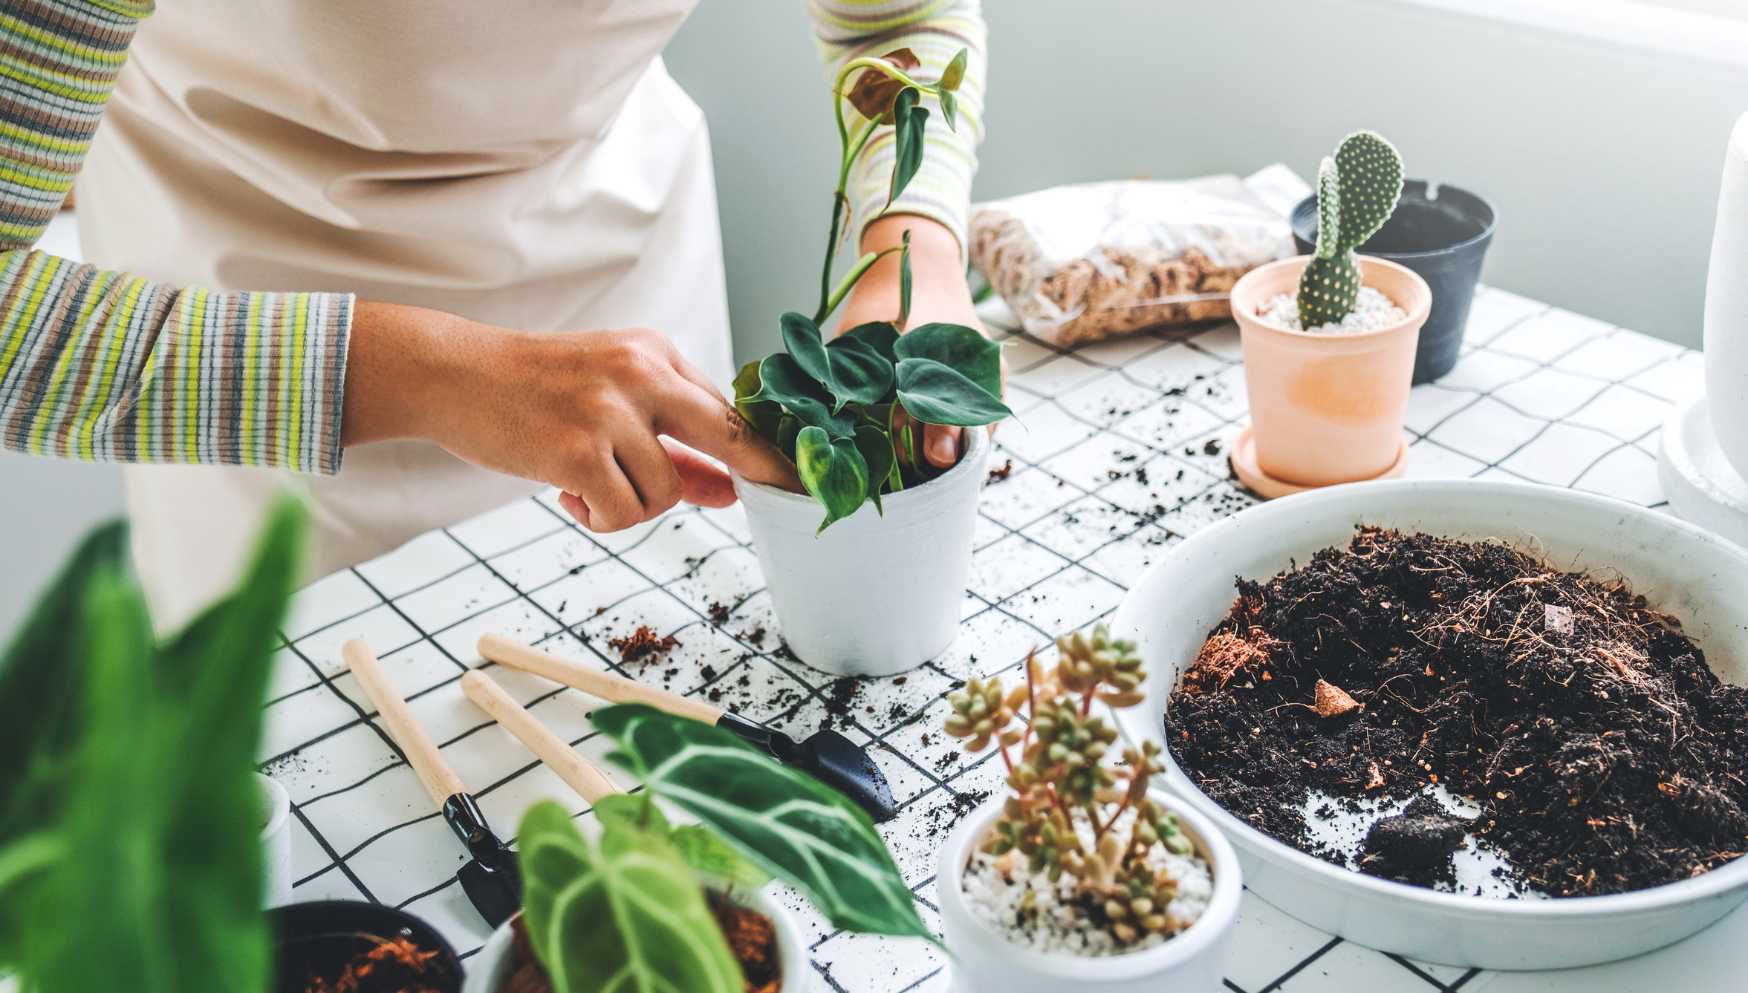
1479, 239
426, 933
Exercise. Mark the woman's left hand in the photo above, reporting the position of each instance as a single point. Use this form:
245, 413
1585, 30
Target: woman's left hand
938, 294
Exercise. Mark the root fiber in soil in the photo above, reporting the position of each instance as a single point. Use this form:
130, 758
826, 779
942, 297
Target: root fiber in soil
1603, 755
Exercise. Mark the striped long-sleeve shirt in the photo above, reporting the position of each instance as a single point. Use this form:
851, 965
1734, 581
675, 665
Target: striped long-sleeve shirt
105, 366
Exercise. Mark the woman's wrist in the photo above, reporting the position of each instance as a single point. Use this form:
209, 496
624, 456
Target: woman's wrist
409, 369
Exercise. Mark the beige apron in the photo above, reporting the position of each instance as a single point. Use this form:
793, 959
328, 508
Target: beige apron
527, 163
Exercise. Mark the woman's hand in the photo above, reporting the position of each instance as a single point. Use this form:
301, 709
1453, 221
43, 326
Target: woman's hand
938, 294
616, 419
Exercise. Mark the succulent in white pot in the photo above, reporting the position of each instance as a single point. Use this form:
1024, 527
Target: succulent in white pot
867, 571
1082, 876
651, 905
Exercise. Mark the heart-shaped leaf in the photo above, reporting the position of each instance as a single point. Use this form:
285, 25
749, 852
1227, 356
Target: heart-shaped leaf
760, 413
807, 347
860, 374
802, 832
936, 394
958, 347
950, 110
873, 91
833, 471
784, 381
909, 121
876, 448
629, 917
880, 335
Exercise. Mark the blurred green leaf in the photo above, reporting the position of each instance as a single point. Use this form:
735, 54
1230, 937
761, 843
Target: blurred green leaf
715, 859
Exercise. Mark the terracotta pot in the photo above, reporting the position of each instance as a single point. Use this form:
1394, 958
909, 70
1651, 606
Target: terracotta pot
1324, 408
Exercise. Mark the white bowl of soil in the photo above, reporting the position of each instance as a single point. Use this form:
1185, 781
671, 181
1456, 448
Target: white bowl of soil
1680, 569
986, 959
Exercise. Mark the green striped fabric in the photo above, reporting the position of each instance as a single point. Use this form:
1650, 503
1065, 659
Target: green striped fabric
99, 365
935, 30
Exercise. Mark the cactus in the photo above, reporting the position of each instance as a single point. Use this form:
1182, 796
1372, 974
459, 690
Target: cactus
1357, 191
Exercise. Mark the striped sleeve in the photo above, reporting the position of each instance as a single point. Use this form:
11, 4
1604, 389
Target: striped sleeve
935, 30
104, 366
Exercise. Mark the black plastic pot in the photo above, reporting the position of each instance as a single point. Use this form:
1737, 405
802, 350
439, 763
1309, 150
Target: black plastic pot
320, 937
1442, 233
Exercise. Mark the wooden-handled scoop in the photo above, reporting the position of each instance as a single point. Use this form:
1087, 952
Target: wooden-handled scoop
826, 755
490, 878
581, 774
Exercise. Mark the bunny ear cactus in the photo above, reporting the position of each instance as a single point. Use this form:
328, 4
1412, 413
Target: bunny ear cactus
1357, 191
849, 411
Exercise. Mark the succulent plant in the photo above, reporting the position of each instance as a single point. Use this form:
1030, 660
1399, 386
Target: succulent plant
1071, 786
1357, 191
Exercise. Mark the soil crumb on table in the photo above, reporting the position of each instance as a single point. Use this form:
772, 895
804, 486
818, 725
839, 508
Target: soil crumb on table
1602, 754
642, 643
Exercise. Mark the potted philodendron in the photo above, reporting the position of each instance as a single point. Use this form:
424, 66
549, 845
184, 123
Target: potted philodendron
651, 906
1082, 876
1329, 339
867, 570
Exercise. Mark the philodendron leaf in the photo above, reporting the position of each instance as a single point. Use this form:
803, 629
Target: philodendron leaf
873, 91
802, 339
833, 471
954, 74
904, 281
762, 414
879, 335
936, 394
876, 448
783, 381
909, 121
959, 348
950, 110
860, 374
627, 917
802, 832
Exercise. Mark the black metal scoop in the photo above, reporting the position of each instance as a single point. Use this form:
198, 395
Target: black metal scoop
828, 757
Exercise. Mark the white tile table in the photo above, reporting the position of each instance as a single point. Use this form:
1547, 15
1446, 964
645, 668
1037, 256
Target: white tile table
1119, 453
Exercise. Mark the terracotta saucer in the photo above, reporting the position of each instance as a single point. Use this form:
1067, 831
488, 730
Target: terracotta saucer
1249, 472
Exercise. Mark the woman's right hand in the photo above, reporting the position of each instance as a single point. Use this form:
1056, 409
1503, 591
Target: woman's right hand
616, 419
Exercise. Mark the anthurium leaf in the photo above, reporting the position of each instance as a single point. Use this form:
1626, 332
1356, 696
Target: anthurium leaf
760, 413
635, 810
876, 448
713, 858
627, 917
802, 339
937, 394
783, 381
833, 471
860, 374
788, 822
909, 121
879, 335
958, 347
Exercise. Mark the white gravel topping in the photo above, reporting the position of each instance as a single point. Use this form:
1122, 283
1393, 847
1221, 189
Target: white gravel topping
1372, 310
1031, 911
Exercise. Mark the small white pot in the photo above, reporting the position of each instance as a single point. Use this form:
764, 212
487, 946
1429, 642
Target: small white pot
986, 962
1726, 320
275, 842
490, 969
873, 594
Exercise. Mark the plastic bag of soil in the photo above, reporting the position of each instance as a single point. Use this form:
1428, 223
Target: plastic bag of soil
1095, 260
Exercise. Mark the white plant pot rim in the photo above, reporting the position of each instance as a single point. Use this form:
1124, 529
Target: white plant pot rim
279, 805
1193, 941
912, 501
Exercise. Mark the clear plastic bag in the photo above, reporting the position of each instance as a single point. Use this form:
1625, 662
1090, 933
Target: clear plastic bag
1091, 261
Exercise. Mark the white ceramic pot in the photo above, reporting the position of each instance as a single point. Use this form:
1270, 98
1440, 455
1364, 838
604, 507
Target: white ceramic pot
1685, 570
986, 962
275, 842
1726, 321
487, 971
873, 594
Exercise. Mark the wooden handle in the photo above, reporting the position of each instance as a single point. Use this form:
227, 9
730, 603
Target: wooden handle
559, 756
421, 752
605, 685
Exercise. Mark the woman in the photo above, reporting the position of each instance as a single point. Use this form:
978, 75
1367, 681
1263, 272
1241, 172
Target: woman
463, 206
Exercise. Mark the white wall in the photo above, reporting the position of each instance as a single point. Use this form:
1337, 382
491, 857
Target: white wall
1603, 159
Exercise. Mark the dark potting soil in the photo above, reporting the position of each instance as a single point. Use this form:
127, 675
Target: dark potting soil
386, 965
1416, 845
750, 935
1603, 754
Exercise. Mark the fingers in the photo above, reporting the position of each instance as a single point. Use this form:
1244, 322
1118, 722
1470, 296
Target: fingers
701, 418
941, 445
702, 482
606, 502
651, 473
